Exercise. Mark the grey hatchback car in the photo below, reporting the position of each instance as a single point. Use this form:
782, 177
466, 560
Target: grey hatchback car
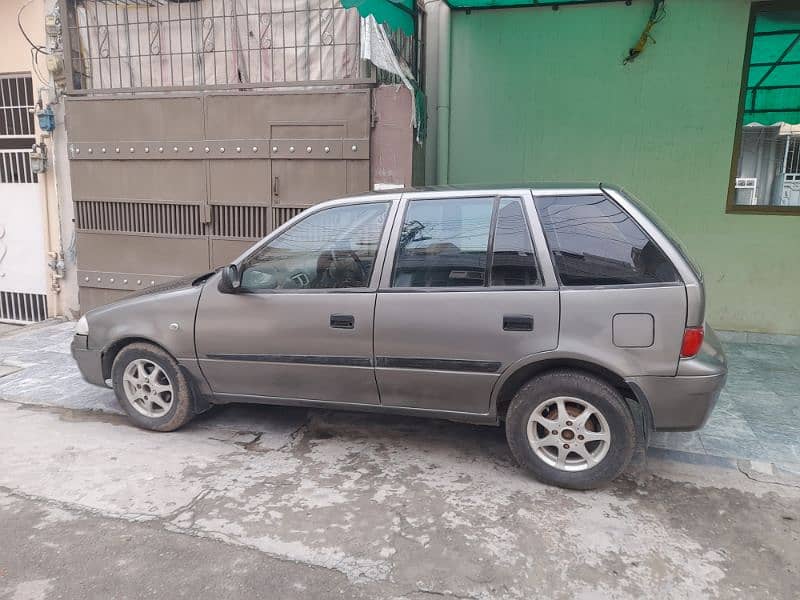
564, 311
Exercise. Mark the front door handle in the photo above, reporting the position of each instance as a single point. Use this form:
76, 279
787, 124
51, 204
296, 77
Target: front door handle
517, 323
343, 321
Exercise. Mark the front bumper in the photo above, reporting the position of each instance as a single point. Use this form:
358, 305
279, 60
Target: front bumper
90, 362
684, 402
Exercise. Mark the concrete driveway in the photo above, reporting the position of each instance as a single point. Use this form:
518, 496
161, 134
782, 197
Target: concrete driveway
271, 502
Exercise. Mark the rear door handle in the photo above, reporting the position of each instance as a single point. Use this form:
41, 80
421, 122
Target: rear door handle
343, 321
517, 323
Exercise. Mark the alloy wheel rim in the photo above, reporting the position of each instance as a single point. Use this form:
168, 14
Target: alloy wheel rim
148, 388
568, 433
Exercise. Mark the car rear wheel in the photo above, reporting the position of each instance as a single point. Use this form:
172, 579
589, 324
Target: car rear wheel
151, 388
571, 429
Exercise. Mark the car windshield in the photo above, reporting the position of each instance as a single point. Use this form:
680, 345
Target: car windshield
674, 239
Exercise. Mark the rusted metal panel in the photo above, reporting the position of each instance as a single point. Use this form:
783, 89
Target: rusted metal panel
304, 183
239, 182
165, 186
159, 181
250, 115
142, 254
136, 119
224, 251
392, 139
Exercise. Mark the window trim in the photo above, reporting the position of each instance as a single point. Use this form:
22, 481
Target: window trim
377, 267
606, 286
730, 204
486, 287
490, 262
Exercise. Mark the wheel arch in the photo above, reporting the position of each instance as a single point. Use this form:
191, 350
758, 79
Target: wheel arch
113, 349
517, 375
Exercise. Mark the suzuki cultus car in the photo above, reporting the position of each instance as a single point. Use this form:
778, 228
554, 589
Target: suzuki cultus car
565, 312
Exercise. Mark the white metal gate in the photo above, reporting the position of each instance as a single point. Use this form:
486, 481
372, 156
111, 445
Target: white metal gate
23, 245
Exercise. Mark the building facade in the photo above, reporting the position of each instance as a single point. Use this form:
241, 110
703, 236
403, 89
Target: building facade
540, 94
31, 250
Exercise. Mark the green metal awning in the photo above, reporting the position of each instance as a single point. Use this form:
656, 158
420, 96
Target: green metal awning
399, 14
773, 77
395, 14
478, 4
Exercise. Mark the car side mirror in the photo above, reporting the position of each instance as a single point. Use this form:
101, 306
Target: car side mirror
230, 280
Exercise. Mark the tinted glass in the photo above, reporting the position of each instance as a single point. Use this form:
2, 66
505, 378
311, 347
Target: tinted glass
513, 261
443, 243
594, 242
333, 248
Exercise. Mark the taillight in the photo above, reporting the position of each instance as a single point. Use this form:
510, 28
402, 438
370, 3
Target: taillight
692, 340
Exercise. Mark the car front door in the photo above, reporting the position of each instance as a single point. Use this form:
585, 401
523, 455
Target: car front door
301, 324
461, 298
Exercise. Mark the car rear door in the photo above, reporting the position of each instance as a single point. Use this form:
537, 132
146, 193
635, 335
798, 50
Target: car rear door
462, 297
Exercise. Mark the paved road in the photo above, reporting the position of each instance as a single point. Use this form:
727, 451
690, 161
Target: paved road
269, 502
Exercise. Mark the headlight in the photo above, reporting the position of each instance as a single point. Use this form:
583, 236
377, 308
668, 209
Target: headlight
82, 328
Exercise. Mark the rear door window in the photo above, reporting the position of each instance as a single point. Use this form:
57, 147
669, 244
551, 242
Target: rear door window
465, 242
444, 243
595, 242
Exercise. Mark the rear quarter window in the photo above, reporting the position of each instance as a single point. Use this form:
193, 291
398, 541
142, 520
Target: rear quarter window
593, 241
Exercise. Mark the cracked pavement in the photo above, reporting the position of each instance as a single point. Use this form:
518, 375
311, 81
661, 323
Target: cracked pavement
276, 502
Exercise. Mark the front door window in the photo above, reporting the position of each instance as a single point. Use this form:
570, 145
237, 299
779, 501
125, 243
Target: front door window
330, 249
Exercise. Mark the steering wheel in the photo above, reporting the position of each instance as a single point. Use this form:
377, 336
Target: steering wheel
362, 271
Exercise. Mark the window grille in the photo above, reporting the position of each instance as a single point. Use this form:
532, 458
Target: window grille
19, 307
139, 217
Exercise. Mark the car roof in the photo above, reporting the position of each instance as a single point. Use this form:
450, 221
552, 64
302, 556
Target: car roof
535, 185
539, 187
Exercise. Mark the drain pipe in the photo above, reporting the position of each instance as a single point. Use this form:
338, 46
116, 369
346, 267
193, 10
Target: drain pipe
443, 92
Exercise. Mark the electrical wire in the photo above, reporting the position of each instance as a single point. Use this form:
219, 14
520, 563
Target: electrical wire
35, 47
657, 15
35, 65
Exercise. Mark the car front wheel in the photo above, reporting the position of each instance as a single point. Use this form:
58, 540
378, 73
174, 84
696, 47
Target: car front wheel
151, 388
571, 429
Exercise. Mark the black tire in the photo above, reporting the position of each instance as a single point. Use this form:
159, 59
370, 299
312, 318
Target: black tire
180, 409
604, 398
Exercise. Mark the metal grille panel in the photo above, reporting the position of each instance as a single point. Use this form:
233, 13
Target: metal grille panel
157, 44
240, 221
139, 217
20, 307
151, 43
15, 167
283, 214
16, 99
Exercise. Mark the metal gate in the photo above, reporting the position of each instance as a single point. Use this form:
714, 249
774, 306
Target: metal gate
23, 252
174, 184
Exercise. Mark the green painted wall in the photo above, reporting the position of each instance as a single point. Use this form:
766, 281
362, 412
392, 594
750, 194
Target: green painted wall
538, 94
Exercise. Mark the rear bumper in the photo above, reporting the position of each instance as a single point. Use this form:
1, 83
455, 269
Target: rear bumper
681, 403
90, 362
684, 402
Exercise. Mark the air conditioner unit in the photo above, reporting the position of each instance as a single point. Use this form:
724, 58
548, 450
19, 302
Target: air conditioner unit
748, 186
